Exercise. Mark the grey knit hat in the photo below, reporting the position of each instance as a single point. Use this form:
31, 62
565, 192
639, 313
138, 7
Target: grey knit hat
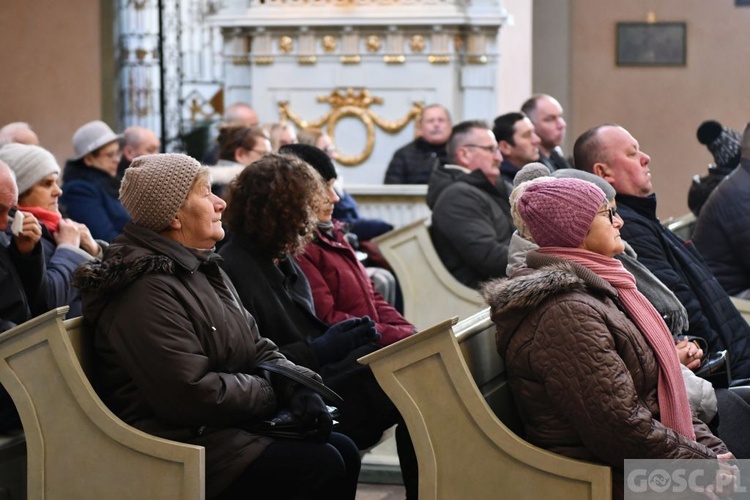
155, 186
31, 164
91, 136
572, 173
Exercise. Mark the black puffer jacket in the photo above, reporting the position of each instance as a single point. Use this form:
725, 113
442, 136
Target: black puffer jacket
681, 268
413, 163
176, 352
582, 374
722, 233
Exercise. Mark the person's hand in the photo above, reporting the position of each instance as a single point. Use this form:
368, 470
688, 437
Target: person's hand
88, 243
312, 413
690, 354
67, 232
30, 234
342, 338
727, 477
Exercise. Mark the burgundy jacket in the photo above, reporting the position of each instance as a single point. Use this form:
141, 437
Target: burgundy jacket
342, 289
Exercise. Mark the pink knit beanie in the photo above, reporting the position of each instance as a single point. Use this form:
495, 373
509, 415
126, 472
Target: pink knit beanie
559, 213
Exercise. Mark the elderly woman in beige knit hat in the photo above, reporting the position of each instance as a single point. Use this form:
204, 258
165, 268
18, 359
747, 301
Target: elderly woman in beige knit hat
178, 355
67, 244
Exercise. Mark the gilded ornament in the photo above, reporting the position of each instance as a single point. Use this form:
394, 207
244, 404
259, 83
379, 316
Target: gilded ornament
329, 43
262, 60
307, 60
476, 59
394, 59
443, 59
285, 44
352, 104
140, 54
350, 59
373, 43
417, 43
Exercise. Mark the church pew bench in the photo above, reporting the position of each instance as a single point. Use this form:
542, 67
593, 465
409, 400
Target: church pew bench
76, 447
450, 386
430, 292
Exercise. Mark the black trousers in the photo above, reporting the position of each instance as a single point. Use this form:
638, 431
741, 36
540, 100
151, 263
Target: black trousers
297, 470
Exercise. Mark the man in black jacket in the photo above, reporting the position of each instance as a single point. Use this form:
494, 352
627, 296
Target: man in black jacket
610, 152
413, 163
471, 221
21, 276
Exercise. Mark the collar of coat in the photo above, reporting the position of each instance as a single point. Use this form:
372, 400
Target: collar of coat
135, 253
545, 276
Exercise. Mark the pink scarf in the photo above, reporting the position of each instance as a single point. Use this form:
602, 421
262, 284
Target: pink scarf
673, 400
50, 219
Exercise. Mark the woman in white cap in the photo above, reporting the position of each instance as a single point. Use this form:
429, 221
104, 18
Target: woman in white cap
67, 244
178, 356
91, 184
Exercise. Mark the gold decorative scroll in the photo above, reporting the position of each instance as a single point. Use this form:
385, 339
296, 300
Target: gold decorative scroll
353, 104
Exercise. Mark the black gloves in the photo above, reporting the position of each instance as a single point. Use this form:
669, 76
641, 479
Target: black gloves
342, 338
308, 407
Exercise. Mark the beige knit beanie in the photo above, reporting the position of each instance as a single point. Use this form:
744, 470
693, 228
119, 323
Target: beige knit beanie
31, 164
155, 186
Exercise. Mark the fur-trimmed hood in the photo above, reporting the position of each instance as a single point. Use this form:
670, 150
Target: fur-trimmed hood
512, 299
137, 252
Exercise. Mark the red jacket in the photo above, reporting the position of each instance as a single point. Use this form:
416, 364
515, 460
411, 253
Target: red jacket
341, 288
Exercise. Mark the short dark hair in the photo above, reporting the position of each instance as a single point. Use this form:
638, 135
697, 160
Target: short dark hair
505, 126
459, 133
233, 137
275, 203
588, 150
529, 106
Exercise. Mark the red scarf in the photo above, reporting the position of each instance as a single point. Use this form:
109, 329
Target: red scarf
673, 400
50, 219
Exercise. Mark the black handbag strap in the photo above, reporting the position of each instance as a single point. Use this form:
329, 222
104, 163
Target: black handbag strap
325, 392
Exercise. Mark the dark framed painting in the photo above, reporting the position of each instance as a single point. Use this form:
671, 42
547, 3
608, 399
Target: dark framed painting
651, 44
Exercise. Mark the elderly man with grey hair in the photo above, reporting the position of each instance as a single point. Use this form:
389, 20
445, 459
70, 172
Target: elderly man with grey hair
471, 221
19, 132
136, 141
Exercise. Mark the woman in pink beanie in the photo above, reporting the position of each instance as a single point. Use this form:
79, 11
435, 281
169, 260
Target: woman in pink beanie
591, 363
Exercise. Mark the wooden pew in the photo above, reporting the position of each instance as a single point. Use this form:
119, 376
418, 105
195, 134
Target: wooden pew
430, 292
683, 226
465, 444
76, 447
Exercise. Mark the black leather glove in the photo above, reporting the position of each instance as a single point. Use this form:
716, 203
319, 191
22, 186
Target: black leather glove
308, 407
342, 338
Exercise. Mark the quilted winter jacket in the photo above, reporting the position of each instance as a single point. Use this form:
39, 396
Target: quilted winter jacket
722, 233
583, 376
681, 268
176, 352
412, 164
341, 288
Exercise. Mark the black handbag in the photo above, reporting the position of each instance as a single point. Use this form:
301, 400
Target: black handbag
284, 424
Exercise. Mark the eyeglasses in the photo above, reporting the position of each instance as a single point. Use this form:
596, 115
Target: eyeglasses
490, 149
611, 212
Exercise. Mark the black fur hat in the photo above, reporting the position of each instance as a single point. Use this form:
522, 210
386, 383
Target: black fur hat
315, 157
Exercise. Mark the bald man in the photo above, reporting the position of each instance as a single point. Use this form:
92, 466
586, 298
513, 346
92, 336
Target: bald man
612, 153
547, 116
19, 132
136, 141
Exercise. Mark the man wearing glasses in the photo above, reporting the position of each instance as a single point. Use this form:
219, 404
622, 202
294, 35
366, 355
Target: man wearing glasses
471, 221
610, 152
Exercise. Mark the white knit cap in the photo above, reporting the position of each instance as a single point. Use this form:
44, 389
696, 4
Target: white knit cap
31, 164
